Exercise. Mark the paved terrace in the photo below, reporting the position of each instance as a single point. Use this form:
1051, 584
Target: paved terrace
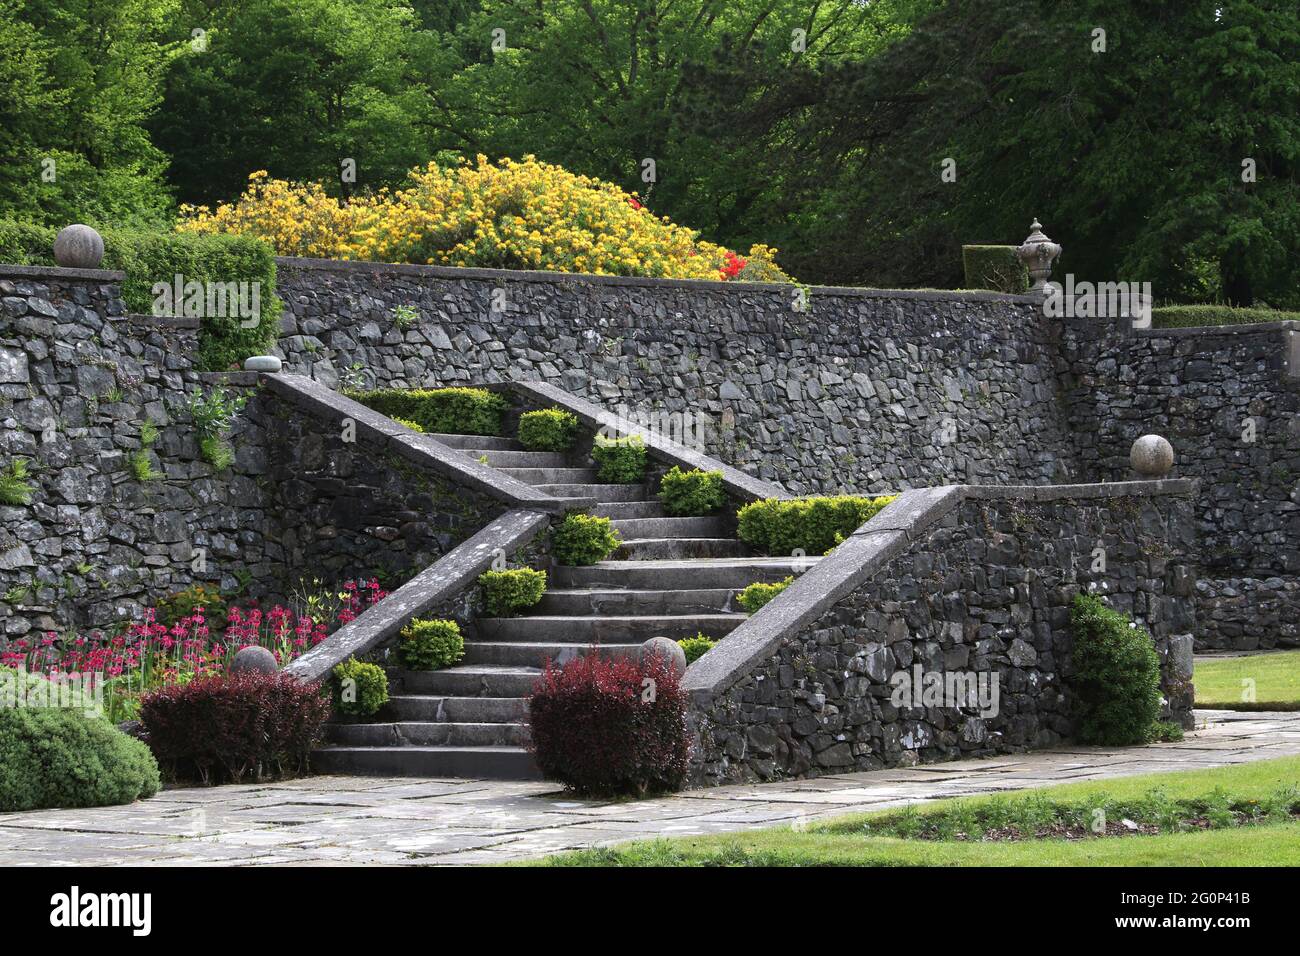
331, 820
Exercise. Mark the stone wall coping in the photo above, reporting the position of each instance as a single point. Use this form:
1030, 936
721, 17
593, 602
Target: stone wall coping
1244, 328
739, 483
58, 272
530, 275
422, 450
165, 321
864, 553
448, 576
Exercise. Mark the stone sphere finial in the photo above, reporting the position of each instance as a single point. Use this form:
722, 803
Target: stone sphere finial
255, 659
669, 650
1152, 456
78, 247
1038, 253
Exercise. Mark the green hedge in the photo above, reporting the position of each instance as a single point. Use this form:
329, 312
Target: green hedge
449, 411
548, 429
758, 594
152, 257
514, 589
813, 525
1116, 673
582, 539
994, 267
359, 689
1191, 316
430, 644
692, 493
63, 757
619, 461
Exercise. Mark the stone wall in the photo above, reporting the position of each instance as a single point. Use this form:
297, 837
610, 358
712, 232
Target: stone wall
1227, 400
985, 590
869, 391
78, 381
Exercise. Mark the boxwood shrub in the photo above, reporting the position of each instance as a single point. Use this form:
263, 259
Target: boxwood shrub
505, 592
696, 647
758, 594
996, 268
619, 461
691, 493
430, 644
1191, 316
582, 539
548, 429
813, 525
594, 730
151, 257
64, 756
1116, 673
248, 724
359, 689
450, 411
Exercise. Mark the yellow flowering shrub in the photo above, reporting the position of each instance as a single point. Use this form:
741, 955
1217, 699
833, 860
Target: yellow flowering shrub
511, 215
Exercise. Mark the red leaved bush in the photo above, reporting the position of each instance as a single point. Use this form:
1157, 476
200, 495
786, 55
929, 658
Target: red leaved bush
610, 726
225, 728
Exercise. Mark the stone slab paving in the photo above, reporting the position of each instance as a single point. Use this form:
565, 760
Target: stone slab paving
341, 821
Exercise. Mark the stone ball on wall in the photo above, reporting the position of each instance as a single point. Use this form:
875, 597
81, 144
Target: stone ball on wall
1152, 456
254, 660
669, 650
262, 363
78, 247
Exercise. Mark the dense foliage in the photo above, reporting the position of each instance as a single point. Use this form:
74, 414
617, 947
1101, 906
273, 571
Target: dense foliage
756, 595
691, 492
548, 429
1116, 672
64, 756
581, 539
359, 688
1164, 150
220, 728
430, 644
505, 592
460, 411
696, 647
608, 727
619, 461
810, 525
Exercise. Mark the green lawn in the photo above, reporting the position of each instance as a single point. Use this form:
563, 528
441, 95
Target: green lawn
841, 842
1277, 681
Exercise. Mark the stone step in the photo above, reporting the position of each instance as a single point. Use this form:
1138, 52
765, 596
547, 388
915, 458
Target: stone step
487, 763
469, 710
552, 476
625, 510
520, 459
667, 575
614, 601
483, 442
602, 493
486, 681
632, 528
439, 733
662, 549
536, 654
606, 629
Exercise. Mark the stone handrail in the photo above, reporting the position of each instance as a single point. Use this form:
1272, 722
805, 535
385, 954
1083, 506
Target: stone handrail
739, 484
422, 450
864, 553
440, 582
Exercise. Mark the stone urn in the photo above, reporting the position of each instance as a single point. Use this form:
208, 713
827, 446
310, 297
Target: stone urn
1038, 253
78, 247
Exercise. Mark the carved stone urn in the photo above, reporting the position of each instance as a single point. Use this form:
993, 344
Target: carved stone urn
1038, 253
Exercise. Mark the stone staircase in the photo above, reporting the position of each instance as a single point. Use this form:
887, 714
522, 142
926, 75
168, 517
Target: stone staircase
671, 577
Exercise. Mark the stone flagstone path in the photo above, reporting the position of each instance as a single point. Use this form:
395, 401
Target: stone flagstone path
332, 820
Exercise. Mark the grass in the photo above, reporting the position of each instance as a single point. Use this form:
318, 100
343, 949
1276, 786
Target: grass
1276, 676
844, 842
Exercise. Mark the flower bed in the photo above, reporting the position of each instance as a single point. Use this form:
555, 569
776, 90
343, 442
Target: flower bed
149, 654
